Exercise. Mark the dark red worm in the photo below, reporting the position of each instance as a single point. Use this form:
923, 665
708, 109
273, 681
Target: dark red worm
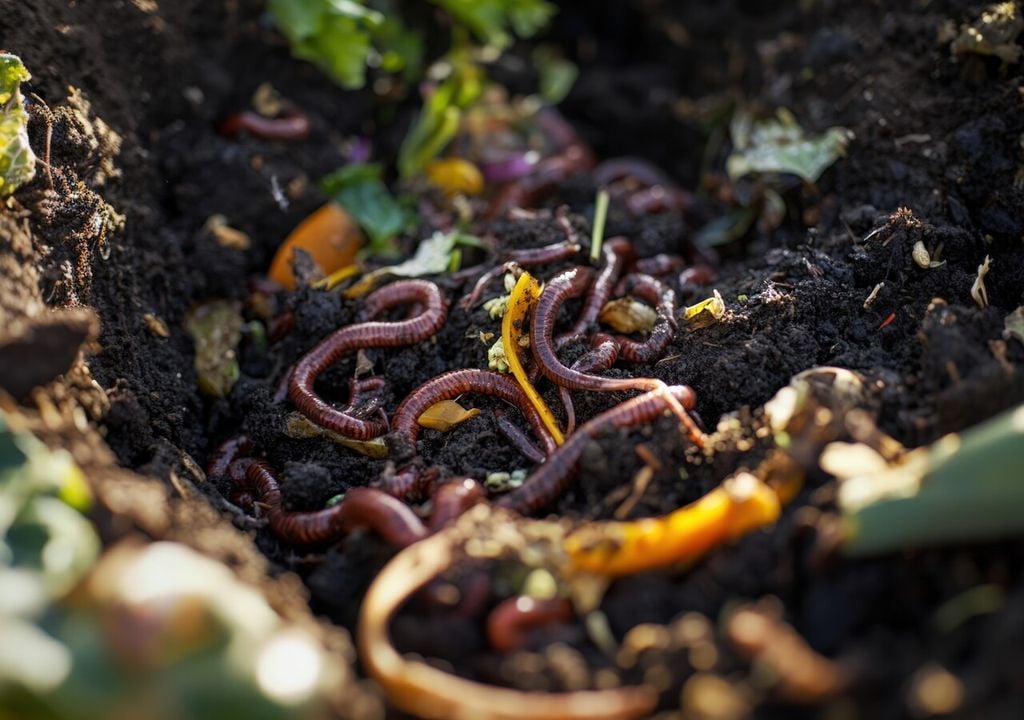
571, 155
553, 478
412, 483
658, 198
518, 259
663, 299
405, 428
616, 253
368, 508
518, 438
294, 125
564, 286
602, 355
640, 170
225, 454
660, 265
511, 620
364, 335
699, 274
452, 499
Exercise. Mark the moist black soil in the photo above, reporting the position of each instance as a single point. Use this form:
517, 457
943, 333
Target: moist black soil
139, 168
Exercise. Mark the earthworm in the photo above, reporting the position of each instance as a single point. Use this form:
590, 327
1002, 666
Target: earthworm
282, 324
552, 478
387, 516
616, 252
510, 621
452, 499
410, 483
660, 265
657, 198
517, 437
292, 126
518, 259
425, 691
225, 454
664, 301
700, 274
613, 169
571, 155
545, 254
367, 334
450, 385
602, 355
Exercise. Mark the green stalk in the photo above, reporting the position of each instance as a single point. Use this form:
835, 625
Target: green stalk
972, 491
600, 216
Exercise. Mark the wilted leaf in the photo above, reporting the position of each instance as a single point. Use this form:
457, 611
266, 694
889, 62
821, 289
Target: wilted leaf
432, 257
994, 33
216, 329
628, 315
17, 161
779, 145
706, 311
1013, 325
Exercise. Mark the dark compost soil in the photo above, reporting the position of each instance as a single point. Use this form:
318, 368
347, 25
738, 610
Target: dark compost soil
139, 168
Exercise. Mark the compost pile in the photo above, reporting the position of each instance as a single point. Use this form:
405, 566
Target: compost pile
635, 405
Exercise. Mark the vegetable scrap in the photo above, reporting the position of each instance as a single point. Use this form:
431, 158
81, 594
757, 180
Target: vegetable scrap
329, 236
17, 161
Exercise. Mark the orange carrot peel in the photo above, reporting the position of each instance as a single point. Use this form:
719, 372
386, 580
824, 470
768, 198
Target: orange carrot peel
330, 236
515, 331
741, 504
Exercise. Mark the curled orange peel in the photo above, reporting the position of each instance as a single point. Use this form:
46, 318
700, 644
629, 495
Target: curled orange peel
427, 692
741, 504
515, 334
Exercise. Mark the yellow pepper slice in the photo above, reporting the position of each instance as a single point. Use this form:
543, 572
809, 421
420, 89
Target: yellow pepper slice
515, 327
445, 415
741, 504
455, 175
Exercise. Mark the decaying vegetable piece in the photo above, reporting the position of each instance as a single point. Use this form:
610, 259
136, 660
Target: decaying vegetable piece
17, 161
741, 504
963, 488
216, 329
421, 689
330, 236
514, 329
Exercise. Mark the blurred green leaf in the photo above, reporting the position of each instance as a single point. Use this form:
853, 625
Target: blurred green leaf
556, 74
360, 189
17, 161
779, 145
438, 121
492, 21
216, 329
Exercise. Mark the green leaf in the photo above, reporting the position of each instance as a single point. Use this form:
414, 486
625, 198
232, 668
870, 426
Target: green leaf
333, 34
17, 161
361, 191
216, 329
492, 20
529, 17
433, 256
298, 19
779, 145
439, 120
556, 74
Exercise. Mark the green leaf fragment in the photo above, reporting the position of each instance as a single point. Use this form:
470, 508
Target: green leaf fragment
17, 161
779, 145
216, 329
965, 488
361, 191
